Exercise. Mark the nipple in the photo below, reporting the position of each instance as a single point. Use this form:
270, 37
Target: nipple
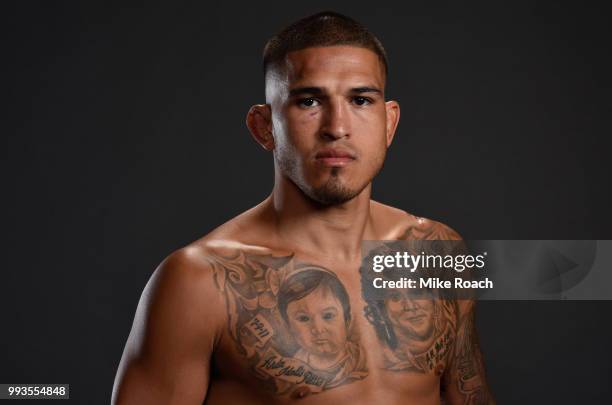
300, 393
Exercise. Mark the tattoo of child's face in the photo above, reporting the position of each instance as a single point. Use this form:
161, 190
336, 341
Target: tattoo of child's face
291, 322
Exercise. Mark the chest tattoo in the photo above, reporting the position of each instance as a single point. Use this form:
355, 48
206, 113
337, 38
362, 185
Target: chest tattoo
415, 328
291, 322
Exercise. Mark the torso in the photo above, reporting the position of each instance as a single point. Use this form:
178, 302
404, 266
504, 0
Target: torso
300, 329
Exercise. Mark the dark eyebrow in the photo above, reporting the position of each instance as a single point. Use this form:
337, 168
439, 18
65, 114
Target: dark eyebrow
317, 91
305, 90
366, 90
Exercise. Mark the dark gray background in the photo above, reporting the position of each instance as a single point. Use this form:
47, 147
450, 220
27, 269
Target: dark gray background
123, 139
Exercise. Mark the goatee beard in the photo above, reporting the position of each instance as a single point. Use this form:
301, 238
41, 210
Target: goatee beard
333, 192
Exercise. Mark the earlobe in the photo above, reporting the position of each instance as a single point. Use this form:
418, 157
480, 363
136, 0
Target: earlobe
393, 115
259, 122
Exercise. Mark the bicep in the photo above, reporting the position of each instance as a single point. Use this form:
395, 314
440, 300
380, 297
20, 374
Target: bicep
464, 380
167, 355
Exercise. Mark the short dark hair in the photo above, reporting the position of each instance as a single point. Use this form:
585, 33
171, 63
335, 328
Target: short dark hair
305, 281
326, 28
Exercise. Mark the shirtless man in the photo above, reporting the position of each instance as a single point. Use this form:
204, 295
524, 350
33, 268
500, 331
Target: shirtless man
269, 308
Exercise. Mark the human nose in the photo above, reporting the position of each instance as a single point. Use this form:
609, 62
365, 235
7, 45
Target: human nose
410, 305
318, 326
337, 121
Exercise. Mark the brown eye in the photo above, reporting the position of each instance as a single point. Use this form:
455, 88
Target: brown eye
308, 102
361, 101
303, 318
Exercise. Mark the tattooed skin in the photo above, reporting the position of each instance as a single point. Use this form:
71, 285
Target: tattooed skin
417, 332
291, 322
416, 327
470, 369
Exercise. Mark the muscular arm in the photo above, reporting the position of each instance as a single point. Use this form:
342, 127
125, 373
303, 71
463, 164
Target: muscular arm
167, 355
464, 380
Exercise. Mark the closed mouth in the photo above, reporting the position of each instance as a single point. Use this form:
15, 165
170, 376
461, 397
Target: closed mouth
416, 319
328, 153
334, 157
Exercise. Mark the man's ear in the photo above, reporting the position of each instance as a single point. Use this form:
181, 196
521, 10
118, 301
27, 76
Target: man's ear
393, 115
259, 122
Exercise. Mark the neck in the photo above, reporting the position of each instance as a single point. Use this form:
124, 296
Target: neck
335, 232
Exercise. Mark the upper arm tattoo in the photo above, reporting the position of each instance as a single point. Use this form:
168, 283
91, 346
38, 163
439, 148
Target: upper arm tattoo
467, 375
292, 323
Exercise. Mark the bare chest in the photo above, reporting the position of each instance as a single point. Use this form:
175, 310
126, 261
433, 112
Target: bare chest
296, 328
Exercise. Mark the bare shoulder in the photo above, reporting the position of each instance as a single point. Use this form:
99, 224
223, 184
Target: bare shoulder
187, 266
192, 270
176, 327
403, 225
181, 292
428, 229
195, 264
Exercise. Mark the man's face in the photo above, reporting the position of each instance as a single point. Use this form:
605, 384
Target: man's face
329, 120
410, 315
317, 322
